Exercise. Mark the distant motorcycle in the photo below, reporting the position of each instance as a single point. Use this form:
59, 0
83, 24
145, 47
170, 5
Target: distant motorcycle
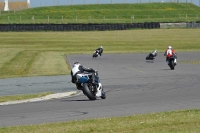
95, 54
152, 55
92, 91
171, 62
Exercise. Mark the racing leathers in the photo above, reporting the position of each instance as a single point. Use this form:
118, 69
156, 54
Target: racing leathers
169, 53
100, 51
78, 69
153, 54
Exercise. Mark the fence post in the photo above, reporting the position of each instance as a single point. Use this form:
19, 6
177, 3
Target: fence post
32, 18
20, 18
197, 17
48, 19
8, 18
186, 16
76, 18
62, 19
132, 18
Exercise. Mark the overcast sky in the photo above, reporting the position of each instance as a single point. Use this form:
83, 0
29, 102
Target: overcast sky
38, 3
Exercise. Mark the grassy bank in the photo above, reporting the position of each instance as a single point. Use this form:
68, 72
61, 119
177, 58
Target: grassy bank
106, 13
23, 97
44, 53
165, 122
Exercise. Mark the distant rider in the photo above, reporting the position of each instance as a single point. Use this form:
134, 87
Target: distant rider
153, 54
100, 50
170, 52
78, 69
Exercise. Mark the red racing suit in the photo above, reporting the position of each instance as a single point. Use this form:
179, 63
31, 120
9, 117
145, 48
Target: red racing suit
169, 53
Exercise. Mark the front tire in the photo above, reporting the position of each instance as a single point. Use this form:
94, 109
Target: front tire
87, 92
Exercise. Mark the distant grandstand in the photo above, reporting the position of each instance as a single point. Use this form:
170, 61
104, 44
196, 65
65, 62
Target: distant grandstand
14, 5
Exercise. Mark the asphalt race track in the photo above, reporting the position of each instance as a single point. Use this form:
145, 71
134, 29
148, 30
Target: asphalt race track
132, 86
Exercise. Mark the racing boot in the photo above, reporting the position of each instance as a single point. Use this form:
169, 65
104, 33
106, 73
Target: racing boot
175, 62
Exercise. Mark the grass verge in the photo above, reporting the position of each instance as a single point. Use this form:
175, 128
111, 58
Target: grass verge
165, 122
23, 97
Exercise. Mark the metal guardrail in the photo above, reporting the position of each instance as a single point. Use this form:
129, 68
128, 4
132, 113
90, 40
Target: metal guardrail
179, 25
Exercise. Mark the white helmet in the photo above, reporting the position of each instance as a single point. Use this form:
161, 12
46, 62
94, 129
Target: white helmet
101, 47
169, 47
76, 64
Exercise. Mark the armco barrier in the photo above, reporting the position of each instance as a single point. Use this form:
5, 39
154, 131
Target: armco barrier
76, 27
179, 25
193, 25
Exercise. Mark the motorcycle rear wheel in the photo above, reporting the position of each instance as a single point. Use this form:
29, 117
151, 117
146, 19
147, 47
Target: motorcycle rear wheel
87, 92
172, 65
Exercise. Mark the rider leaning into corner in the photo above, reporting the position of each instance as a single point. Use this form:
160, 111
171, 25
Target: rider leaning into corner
168, 53
100, 50
78, 69
154, 53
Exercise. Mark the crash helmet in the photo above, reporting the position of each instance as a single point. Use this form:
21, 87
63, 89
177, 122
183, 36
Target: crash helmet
169, 47
76, 64
101, 47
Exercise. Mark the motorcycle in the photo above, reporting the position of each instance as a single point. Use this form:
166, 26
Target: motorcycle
152, 55
92, 91
95, 54
172, 62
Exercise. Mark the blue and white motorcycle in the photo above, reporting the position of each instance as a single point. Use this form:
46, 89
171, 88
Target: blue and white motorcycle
92, 91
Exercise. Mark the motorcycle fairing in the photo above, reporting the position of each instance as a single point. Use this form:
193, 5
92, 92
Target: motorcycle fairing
82, 78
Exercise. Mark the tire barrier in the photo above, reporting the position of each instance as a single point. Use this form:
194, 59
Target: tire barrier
76, 27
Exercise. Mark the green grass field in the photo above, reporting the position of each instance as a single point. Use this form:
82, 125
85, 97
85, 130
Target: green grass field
106, 13
44, 53
187, 121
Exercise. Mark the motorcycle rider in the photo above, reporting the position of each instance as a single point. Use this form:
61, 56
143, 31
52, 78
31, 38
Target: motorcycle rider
100, 50
168, 53
78, 69
153, 54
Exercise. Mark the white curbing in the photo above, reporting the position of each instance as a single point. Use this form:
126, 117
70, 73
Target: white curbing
48, 97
